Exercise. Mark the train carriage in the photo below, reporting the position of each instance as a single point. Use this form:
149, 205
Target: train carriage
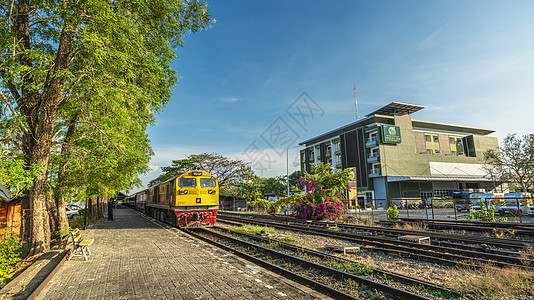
188, 200
140, 200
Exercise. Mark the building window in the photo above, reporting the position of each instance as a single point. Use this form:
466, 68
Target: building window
337, 147
374, 153
436, 139
428, 138
372, 137
375, 169
426, 195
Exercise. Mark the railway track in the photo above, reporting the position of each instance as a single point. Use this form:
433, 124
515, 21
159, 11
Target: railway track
520, 229
380, 273
474, 243
304, 271
433, 253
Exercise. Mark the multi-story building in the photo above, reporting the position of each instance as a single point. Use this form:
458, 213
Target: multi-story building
395, 156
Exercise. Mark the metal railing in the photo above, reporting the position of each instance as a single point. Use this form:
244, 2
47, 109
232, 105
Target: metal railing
442, 208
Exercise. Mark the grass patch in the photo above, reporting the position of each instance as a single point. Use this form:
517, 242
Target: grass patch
352, 267
412, 226
288, 238
498, 284
254, 229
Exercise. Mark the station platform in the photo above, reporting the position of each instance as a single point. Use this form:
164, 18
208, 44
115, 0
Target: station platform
136, 257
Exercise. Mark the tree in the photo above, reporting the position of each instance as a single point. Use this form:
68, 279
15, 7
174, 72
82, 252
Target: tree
273, 185
62, 59
294, 185
514, 160
227, 171
498, 174
252, 186
325, 193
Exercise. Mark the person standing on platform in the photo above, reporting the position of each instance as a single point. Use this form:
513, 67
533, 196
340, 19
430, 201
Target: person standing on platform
110, 210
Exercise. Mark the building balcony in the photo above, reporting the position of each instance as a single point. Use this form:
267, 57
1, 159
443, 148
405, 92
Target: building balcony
373, 158
371, 143
338, 166
338, 152
374, 174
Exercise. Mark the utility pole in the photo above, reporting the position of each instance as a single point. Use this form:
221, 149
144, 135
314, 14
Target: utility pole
287, 166
355, 102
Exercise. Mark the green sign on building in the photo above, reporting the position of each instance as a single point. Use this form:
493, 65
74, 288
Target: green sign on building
391, 134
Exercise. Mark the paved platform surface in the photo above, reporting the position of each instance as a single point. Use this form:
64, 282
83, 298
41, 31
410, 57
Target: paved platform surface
135, 257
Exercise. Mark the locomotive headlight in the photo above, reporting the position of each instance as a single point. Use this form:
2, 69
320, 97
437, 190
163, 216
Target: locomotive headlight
184, 192
211, 191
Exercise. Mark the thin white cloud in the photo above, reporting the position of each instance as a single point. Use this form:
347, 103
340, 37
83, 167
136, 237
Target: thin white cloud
227, 99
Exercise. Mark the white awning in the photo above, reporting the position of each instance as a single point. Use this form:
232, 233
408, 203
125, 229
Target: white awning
435, 178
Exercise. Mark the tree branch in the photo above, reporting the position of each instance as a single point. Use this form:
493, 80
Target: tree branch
42, 20
13, 111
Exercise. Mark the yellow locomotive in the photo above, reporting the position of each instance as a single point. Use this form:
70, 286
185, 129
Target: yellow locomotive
188, 200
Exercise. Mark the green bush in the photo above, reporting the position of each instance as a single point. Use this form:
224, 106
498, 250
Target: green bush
274, 207
260, 205
289, 202
393, 212
485, 214
10, 249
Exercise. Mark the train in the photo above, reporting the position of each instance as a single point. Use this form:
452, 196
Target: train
188, 200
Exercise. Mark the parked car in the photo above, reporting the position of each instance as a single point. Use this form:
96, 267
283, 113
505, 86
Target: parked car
71, 212
510, 207
74, 206
474, 200
530, 211
511, 203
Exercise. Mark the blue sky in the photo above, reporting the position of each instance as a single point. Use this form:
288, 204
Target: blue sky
469, 62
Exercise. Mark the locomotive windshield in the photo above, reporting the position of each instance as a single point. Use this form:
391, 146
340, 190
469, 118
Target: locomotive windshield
207, 182
187, 182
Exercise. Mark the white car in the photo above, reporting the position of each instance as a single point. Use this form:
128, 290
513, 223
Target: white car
74, 206
530, 211
71, 212
511, 208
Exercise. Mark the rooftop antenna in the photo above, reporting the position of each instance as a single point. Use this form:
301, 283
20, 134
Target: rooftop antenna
356, 102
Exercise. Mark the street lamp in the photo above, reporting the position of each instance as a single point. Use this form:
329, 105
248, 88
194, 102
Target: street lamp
287, 164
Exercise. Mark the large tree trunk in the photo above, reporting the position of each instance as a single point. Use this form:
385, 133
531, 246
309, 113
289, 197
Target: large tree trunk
52, 209
66, 150
40, 111
100, 208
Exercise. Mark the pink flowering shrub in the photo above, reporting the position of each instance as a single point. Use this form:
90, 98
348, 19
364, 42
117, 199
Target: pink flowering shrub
325, 194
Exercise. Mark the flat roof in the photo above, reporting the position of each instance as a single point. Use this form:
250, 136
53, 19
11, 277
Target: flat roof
385, 115
396, 108
450, 127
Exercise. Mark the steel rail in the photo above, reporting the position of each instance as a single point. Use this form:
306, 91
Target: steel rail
376, 285
324, 289
432, 250
378, 247
378, 271
514, 244
523, 229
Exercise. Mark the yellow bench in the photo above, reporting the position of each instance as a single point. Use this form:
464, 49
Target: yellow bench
80, 245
